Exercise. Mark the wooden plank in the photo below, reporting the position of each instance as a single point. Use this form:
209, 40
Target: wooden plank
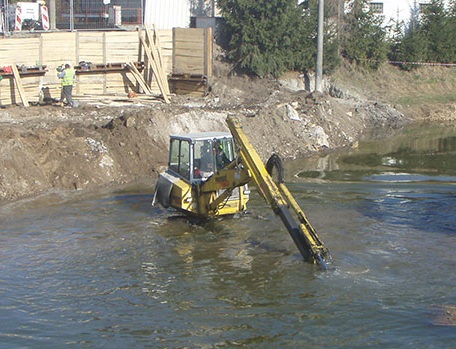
158, 46
90, 47
186, 83
122, 46
40, 53
195, 45
156, 57
165, 54
20, 88
153, 66
182, 90
166, 49
20, 50
59, 48
105, 54
208, 51
139, 78
155, 69
189, 86
192, 51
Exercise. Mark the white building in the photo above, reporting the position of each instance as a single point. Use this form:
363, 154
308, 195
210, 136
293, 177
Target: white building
168, 14
397, 11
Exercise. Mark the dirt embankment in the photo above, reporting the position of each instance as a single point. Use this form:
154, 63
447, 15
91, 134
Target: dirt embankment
108, 143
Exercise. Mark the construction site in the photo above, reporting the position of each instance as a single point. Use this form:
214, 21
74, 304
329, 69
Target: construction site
146, 64
136, 88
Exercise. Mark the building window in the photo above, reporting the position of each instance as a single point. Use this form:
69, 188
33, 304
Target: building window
376, 7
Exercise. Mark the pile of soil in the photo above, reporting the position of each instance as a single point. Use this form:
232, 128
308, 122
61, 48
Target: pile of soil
116, 141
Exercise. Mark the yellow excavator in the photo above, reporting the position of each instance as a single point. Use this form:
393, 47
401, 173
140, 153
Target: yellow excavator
208, 175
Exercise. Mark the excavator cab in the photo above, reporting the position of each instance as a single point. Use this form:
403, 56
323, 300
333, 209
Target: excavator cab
195, 161
197, 156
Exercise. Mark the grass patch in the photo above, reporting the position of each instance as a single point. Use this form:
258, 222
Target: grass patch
429, 99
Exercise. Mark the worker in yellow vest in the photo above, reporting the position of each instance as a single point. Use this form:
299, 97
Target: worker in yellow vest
67, 76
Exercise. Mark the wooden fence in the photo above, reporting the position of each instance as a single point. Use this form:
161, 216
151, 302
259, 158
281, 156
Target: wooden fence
186, 51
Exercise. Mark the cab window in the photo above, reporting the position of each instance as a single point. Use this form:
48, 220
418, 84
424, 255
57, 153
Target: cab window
204, 159
224, 152
179, 158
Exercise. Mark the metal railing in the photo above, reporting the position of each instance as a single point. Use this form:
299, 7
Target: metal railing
103, 17
68, 17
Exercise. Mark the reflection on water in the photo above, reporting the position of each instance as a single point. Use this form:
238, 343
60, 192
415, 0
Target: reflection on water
418, 154
106, 270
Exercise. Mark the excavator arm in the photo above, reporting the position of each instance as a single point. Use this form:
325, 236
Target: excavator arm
280, 199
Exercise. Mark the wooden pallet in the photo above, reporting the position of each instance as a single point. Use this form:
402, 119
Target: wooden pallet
192, 84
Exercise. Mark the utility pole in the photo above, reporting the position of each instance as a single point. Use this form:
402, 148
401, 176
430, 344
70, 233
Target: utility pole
6, 25
142, 14
72, 15
52, 12
319, 72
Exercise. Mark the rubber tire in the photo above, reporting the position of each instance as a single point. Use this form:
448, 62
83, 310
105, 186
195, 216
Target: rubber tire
275, 161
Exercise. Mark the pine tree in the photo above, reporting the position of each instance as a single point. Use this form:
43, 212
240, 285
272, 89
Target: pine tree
433, 28
268, 37
364, 39
430, 36
452, 30
410, 44
438, 29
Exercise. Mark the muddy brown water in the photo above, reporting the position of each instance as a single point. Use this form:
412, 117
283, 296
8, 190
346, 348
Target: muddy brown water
107, 270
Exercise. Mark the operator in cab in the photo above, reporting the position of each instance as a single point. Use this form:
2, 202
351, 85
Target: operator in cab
220, 157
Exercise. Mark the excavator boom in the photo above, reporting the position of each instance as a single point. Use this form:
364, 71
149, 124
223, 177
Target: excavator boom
280, 199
